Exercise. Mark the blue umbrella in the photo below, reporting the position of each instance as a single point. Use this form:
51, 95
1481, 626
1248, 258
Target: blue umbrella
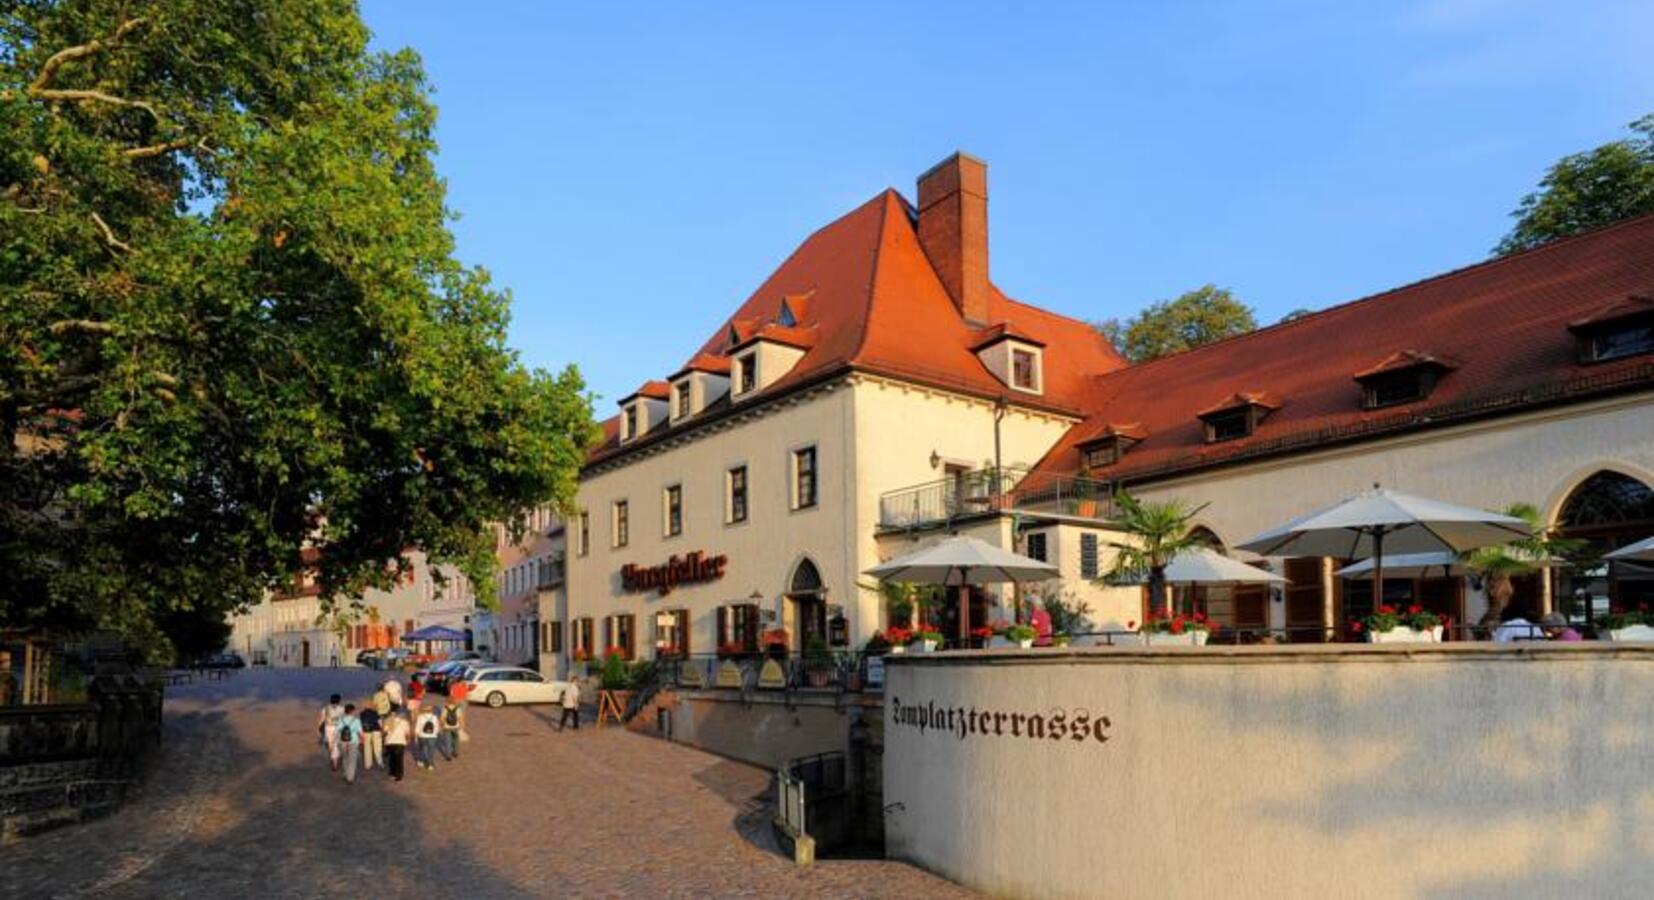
434, 633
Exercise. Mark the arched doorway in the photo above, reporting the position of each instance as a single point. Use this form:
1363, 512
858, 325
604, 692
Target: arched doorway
1607, 511
809, 598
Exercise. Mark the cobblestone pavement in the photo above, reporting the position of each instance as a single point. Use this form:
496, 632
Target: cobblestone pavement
241, 804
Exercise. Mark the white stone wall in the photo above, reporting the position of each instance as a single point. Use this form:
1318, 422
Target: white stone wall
1362, 772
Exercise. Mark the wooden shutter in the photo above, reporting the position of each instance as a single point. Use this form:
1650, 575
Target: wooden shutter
751, 633
628, 629
723, 627
682, 618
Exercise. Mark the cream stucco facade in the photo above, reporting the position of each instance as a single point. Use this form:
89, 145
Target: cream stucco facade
872, 435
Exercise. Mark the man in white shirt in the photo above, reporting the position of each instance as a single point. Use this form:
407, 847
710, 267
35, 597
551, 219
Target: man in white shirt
571, 706
396, 742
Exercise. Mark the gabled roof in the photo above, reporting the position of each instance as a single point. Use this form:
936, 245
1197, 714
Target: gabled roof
704, 362
1618, 311
865, 298
1405, 359
654, 390
1505, 323
1241, 400
1003, 331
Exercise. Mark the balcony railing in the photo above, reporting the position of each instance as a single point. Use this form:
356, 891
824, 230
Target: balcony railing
995, 490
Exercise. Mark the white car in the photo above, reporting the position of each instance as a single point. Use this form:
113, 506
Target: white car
499, 685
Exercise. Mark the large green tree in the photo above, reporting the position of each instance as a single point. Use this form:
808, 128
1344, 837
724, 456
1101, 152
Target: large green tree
231, 321
1206, 314
1588, 190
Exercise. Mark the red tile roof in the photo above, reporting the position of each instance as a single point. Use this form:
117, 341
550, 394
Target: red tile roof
874, 304
1504, 322
1002, 331
1406, 359
656, 390
706, 362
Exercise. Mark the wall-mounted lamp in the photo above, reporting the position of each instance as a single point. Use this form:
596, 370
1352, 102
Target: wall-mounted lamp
935, 459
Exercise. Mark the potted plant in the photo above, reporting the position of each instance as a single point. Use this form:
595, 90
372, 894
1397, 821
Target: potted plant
898, 637
847, 663
774, 642
1061, 640
583, 661
1177, 630
1389, 625
616, 677
1021, 634
1156, 532
818, 664
1627, 625
877, 645
996, 634
731, 650
927, 641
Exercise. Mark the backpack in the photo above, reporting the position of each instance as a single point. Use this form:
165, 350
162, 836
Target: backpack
346, 732
450, 717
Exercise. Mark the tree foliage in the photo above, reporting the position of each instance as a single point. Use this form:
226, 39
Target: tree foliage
1156, 531
1588, 190
1206, 314
231, 321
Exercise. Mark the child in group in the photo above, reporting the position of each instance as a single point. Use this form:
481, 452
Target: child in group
450, 732
396, 743
350, 741
327, 726
416, 697
427, 730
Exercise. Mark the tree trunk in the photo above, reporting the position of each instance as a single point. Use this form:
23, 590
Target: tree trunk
1499, 591
1157, 591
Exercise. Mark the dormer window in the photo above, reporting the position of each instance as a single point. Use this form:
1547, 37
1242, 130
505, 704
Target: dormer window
1405, 376
746, 377
1013, 356
1237, 417
1623, 329
1227, 426
630, 430
1106, 448
785, 318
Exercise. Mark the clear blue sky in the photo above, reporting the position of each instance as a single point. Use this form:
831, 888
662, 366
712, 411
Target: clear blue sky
632, 174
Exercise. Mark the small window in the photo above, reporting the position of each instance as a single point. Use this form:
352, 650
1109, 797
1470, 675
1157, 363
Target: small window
1394, 389
622, 524
1227, 426
585, 537
1100, 455
684, 396
1619, 340
554, 637
786, 318
737, 494
1024, 372
630, 430
1089, 568
1035, 546
673, 502
804, 478
748, 368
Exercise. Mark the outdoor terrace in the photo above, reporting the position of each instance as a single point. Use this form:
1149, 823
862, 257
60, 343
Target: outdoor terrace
990, 491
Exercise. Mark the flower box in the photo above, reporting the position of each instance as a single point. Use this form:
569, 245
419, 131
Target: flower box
1630, 633
1402, 635
923, 646
1000, 642
1191, 638
898, 648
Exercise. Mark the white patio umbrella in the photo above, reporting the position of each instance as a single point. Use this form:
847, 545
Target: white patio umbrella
1203, 565
959, 561
1641, 551
1368, 523
1410, 565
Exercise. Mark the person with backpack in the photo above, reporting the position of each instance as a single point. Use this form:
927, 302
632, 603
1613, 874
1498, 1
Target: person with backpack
427, 730
350, 741
393, 692
327, 727
449, 744
396, 743
458, 694
373, 738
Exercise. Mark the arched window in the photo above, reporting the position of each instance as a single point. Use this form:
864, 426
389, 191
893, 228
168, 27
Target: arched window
1206, 536
1608, 511
806, 579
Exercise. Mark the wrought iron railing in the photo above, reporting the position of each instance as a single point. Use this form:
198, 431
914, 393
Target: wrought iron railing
995, 490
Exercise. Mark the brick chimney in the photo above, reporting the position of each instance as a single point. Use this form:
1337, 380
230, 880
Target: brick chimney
953, 229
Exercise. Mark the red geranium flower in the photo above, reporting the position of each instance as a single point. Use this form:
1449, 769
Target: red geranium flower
1132, 625
1355, 627
1415, 609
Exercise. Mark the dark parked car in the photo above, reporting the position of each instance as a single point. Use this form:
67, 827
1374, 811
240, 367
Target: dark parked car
224, 661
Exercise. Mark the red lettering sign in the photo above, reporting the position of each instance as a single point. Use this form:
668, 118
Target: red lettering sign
696, 567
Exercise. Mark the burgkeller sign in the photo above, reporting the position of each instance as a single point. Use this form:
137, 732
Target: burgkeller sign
691, 569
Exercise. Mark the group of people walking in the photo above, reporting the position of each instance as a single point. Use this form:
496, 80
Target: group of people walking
381, 733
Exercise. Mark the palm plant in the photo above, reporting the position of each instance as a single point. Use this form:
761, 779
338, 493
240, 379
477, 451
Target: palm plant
1159, 530
1497, 566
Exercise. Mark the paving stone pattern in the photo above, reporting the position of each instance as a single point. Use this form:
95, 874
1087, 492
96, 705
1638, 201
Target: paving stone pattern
241, 804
